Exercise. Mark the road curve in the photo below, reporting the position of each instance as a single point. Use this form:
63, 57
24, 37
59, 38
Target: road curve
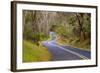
63, 52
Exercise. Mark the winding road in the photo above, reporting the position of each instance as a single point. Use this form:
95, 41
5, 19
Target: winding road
65, 52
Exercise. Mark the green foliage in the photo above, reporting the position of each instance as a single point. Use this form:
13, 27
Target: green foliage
74, 42
27, 33
34, 53
72, 20
60, 30
43, 36
38, 24
39, 36
73, 32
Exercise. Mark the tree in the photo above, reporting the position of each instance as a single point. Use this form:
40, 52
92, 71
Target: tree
80, 19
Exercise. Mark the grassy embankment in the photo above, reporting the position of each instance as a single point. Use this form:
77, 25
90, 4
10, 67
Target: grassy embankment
34, 53
84, 45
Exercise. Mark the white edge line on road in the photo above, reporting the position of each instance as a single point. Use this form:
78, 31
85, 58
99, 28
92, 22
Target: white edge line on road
79, 55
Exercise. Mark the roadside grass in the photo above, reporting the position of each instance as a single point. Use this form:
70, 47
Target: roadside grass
84, 45
34, 53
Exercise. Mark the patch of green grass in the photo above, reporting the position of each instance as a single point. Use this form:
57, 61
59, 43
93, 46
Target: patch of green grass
34, 53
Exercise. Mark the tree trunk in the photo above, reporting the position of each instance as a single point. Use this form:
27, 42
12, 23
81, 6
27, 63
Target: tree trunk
80, 22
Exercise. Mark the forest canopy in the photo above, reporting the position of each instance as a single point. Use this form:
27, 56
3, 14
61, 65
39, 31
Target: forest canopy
71, 28
75, 27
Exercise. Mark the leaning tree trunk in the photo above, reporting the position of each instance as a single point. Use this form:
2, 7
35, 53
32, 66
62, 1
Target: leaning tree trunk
80, 22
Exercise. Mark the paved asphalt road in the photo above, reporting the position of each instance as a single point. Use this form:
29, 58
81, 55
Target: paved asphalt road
65, 52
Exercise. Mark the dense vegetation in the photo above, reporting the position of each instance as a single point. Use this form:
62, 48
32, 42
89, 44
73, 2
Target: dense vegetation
33, 53
71, 28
